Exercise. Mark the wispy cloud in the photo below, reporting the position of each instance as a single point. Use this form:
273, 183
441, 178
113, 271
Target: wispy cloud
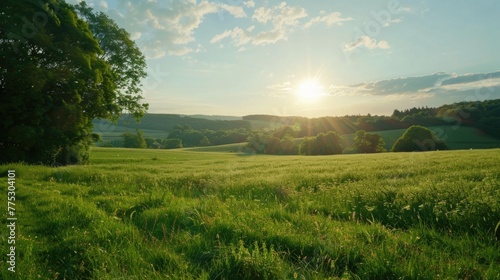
281, 89
282, 17
239, 36
392, 21
104, 5
328, 19
275, 23
483, 85
236, 11
249, 4
367, 42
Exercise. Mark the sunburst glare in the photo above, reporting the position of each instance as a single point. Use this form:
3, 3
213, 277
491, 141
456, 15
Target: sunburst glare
310, 90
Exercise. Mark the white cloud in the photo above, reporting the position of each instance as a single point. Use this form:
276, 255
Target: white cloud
392, 21
104, 5
136, 35
249, 4
165, 30
367, 42
164, 27
328, 19
219, 37
263, 14
283, 19
235, 11
486, 83
240, 37
269, 37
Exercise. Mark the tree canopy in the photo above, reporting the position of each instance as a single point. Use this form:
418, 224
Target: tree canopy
365, 142
418, 138
330, 143
59, 69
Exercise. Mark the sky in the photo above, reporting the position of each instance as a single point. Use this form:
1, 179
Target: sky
312, 58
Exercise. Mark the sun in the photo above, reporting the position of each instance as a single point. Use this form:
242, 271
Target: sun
310, 90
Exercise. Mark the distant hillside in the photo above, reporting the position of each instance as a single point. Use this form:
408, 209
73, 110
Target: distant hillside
484, 116
166, 122
464, 125
215, 117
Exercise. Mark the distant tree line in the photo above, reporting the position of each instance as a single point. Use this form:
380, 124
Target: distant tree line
415, 138
483, 115
194, 138
181, 136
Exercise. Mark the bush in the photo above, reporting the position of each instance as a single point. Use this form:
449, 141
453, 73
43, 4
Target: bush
171, 143
418, 138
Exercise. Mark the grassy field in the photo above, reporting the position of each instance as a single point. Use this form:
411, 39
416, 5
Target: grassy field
150, 214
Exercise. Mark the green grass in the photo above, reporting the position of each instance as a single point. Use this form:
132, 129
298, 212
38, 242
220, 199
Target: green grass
161, 214
229, 148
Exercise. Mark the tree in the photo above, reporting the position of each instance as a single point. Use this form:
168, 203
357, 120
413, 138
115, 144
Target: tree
131, 140
418, 138
151, 142
126, 62
368, 142
257, 142
288, 146
285, 131
171, 143
330, 143
204, 142
56, 77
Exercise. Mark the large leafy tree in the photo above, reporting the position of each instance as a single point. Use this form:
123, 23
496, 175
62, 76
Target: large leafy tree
57, 75
125, 60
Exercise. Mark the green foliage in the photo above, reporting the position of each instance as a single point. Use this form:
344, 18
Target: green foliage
368, 142
284, 132
204, 142
195, 138
136, 140
171, 143
67, 80
267, 143
288, 146
330, 143
126, 62
418, 138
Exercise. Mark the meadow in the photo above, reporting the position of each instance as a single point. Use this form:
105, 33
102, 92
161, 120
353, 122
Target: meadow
203, 214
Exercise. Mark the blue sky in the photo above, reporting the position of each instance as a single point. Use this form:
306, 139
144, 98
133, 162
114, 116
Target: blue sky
312, 58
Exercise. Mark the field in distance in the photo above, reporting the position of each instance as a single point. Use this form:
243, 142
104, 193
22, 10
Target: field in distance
182, 214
